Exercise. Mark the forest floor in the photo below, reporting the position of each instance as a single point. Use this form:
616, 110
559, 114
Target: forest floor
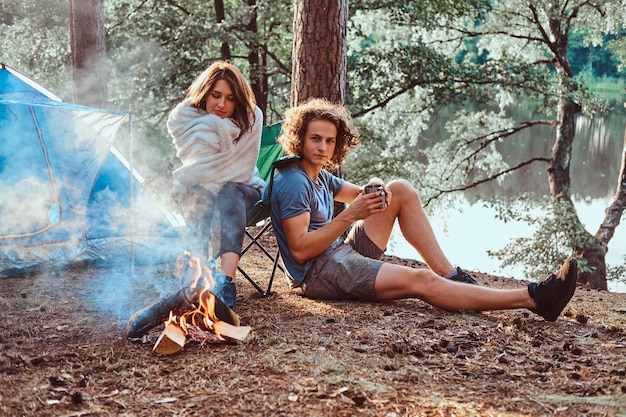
65, 352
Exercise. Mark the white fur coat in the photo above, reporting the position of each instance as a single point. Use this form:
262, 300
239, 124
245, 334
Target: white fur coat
212, 149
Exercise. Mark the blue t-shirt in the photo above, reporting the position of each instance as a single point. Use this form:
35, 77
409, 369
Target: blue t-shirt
294, 193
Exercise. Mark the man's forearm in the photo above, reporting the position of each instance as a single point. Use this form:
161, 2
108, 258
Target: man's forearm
314, 243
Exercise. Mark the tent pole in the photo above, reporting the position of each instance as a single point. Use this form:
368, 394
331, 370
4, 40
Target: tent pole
132, 196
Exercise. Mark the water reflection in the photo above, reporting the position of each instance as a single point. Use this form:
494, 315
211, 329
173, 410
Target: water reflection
467, 231
595, 129
595, 165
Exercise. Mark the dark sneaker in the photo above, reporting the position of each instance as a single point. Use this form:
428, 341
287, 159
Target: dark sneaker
554, 292
461, 276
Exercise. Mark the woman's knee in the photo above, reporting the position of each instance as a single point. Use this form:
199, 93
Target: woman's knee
229, 189
234, 192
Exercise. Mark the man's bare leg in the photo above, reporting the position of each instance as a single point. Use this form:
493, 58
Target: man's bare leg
547, 298
406, 207
397, 282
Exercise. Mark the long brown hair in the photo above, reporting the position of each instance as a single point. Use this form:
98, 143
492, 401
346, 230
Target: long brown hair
297, 120
204, 84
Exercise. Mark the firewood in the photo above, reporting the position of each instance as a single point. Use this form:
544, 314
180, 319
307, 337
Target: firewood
222, 311
156, 313
171, 341
184, 299
237, 333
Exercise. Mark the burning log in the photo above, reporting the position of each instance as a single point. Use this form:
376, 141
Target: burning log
193, 312
171, 341
187, 299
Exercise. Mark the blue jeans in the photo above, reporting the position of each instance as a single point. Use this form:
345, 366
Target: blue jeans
234, 201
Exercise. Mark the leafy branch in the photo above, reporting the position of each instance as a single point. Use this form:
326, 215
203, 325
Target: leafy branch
474, 184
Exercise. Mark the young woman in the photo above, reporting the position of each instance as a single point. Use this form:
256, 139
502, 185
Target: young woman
324, 266
216, 131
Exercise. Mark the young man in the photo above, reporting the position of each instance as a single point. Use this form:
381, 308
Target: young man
325, 267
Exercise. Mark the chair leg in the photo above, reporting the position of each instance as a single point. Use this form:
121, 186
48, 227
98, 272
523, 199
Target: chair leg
254, 240
276, 265
267, 292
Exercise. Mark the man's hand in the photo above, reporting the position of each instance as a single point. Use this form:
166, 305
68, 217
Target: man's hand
364, 205
386, 189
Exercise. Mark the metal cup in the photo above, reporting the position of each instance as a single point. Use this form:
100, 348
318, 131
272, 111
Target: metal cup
376, 188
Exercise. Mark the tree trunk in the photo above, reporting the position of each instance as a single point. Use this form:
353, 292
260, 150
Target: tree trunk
220, 15
596, 254
614, 212
319, 50
258, 78
320, 55
558, 172
593, 271
586, 247
88, 48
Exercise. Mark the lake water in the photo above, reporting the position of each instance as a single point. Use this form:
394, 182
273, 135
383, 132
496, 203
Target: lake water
466, 236
467, 231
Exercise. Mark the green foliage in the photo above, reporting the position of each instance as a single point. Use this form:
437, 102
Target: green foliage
157, 48
35, 40
551, 241
428, 13
618, 47
375, 159
593, 61
154, 49
409, 60
617, 273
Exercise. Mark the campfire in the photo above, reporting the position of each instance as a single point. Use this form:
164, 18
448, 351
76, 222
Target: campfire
193, 313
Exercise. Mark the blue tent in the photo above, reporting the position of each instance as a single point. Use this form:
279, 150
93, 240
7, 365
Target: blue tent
67, 195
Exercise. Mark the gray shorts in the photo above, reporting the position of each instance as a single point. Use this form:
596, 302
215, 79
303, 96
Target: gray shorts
346, 272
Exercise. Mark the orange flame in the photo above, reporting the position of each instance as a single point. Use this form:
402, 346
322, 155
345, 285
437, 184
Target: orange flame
203, 316
201, 274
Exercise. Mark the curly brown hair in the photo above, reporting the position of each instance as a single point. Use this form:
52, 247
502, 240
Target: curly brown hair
297, 120
204, 84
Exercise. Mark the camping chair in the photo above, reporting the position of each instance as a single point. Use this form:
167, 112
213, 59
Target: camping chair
269, 160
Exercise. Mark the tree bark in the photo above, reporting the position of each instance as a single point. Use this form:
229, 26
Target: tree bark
88, 49
588, 248
614, 212
585, 246
220, 15
558, 172
319, 50
595, 253
258, 76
